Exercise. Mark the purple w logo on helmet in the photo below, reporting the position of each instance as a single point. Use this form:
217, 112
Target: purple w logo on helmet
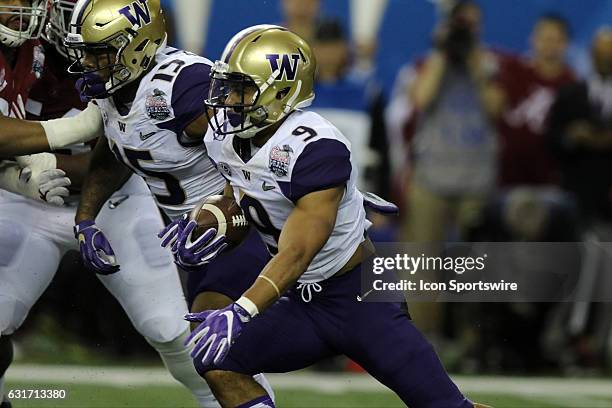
288, 67
141, 13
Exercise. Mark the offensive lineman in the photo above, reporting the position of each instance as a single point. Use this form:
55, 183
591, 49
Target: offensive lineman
150, 99
301, 187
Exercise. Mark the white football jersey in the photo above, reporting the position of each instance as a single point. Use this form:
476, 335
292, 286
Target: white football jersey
306, 154
150, 137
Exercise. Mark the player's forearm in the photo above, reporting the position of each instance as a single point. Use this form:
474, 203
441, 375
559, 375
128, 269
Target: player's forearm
21, 137
106, 175
283, 271
85, 126
75, 166
304, 234
197, 129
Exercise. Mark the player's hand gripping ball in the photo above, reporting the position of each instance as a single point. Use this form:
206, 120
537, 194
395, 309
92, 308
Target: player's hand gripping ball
215, 224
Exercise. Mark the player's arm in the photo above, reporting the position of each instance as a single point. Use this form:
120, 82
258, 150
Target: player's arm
306, 231
197, 129
106, 175
20, 137
75, 166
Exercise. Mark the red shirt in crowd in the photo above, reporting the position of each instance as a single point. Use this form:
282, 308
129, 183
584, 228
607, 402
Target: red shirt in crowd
525, 156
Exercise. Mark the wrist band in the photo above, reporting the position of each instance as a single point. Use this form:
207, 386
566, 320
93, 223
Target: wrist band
248, 305
271, 282
83, 127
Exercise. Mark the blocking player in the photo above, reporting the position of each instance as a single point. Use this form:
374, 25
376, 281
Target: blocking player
312, 213
147, 285
150, 98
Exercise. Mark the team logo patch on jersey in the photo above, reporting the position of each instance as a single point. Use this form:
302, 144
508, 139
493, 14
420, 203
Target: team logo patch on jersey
280, 160
38, 61
225, 168
157, 106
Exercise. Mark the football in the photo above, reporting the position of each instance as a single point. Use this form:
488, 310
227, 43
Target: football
225, 215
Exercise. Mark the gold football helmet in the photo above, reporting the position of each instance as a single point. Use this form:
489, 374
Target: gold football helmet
265, 72
114, 42
25, 22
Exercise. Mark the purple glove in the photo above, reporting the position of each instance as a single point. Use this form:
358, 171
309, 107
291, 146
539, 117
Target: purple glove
217, 332
96, 251
90, 86
191, 254
170, 234
379, 205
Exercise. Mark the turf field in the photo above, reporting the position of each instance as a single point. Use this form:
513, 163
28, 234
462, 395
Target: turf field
122, 387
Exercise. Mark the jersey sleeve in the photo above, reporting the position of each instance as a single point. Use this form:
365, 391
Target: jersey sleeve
323, 164
188, 93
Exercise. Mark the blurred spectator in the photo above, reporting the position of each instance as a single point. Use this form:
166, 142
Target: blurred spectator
301, 17
353, 102
528, 214
581, 132
531, 85
454, 148
451, 103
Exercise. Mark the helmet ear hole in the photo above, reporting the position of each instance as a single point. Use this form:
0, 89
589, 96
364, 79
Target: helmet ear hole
141, 46
282, 93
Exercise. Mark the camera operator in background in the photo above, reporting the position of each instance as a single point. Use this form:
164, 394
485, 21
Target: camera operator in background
456, 102
451, 137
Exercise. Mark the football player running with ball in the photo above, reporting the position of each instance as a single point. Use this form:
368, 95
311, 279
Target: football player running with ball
291, 171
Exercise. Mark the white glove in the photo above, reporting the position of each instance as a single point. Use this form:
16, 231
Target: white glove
38, 162
39, 179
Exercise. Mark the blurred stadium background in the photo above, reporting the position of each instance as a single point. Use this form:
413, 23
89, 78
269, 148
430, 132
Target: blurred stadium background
507, 355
